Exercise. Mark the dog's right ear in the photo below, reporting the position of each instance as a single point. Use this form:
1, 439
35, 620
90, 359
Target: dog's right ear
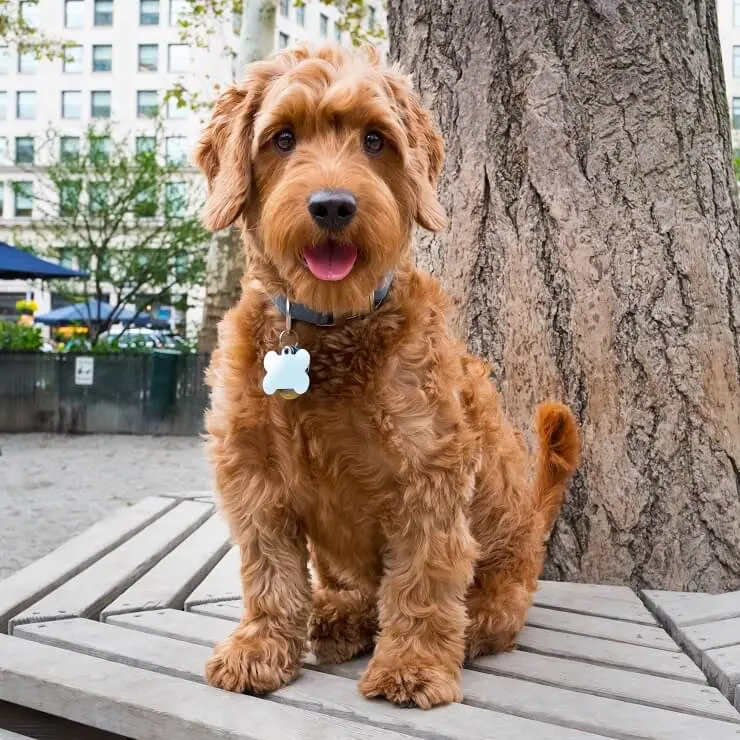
223, 153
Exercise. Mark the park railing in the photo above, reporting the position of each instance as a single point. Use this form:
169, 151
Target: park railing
158, 393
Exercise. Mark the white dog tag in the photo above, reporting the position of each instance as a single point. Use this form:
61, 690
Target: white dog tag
287, 372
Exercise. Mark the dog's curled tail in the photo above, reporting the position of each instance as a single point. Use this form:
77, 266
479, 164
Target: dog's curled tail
558, 454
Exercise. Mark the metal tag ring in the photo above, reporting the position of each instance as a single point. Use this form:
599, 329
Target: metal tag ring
285, 335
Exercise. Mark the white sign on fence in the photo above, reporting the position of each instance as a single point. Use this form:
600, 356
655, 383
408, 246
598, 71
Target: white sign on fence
84, 370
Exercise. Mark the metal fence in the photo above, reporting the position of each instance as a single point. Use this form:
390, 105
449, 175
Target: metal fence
115, 394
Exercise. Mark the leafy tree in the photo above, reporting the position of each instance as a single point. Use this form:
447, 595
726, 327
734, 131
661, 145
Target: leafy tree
18, 29
129, 218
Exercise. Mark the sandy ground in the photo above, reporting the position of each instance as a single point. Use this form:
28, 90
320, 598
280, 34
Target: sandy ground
53, 487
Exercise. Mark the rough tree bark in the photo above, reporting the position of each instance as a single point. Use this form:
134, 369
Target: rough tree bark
226, 260
594, 255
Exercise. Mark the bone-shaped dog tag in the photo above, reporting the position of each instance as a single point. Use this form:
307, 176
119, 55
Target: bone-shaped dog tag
287, 372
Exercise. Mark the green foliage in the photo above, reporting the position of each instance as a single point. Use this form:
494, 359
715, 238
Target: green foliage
736, 163
17, 31
129, 219
19, 338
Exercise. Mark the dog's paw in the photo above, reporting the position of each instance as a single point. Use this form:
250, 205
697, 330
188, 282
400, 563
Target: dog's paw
341, 626
246, 665
410, 684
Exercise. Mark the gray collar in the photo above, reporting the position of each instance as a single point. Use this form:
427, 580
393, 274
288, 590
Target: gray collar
299, 312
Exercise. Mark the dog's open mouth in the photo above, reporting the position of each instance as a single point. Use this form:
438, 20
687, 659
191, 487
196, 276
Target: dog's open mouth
331, 260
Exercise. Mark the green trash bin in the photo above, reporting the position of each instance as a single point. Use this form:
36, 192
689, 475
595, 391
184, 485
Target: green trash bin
163, 382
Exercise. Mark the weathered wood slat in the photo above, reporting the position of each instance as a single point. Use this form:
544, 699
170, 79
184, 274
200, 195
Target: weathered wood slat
43, 576
609, 629
7, 735
321, 692
614, 602
600, 715
614, 683
722, 666
174, 577
87, 593
184, 626
713, 634
607, 652
138, 703
189, 495
231, 610
220, 584
684, 609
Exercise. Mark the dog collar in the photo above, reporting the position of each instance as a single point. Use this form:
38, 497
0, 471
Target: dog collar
299, 312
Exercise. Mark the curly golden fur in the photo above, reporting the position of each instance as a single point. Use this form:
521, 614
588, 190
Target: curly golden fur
397, 474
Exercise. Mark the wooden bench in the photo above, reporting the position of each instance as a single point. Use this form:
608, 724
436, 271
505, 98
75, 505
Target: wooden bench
111, 631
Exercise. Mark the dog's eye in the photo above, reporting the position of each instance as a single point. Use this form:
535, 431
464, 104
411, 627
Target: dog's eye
374, 142
284, 140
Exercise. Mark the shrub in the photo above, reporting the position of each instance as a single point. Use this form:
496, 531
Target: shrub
19, 338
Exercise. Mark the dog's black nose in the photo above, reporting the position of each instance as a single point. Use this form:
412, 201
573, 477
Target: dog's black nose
332, 209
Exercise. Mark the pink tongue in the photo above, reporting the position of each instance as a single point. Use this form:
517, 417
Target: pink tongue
332, 260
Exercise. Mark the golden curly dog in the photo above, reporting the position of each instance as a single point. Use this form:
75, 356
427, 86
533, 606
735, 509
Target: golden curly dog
396, 473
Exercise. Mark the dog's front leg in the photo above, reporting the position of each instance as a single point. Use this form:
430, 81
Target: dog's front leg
421, 601
264, 652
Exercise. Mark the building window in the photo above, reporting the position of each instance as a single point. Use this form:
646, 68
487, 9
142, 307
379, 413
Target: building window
100, 103
175, 111
69, 148
146, 144
372, 20
175, 201
24, 150
69, 197
283, 40
147, 103
4, 59
73, 60
145, 203
25, 105
74, 13
103, 13
27, 61
3, 105
4, 158
102, 58
177, 10
97, 197
72, 104
30, 13
148, 57
100, 149
2, 198
736, 13
736, 113
300, 15
176, 149
323, 25
23, 196
149, 13
178, 58
285, 8
337, 34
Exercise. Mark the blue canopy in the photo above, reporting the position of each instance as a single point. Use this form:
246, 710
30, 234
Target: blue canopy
92, 311
16, 264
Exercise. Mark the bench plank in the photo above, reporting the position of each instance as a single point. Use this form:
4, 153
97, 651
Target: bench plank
722, 666
685, 609
600, 715
184, 626
220, 584
87, 593
614, 602
174, 577
613, 683
43, 576
6, 735
139, 703
231, 610
190, 495
609, 629
319, 691
607, 652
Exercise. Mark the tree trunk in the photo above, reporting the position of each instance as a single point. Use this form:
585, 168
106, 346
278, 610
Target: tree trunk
593, 254
225, 265
224, 270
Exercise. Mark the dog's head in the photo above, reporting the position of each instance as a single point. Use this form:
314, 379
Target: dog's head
329, 159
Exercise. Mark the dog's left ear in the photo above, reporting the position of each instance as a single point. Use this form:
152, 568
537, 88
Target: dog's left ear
427, 153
